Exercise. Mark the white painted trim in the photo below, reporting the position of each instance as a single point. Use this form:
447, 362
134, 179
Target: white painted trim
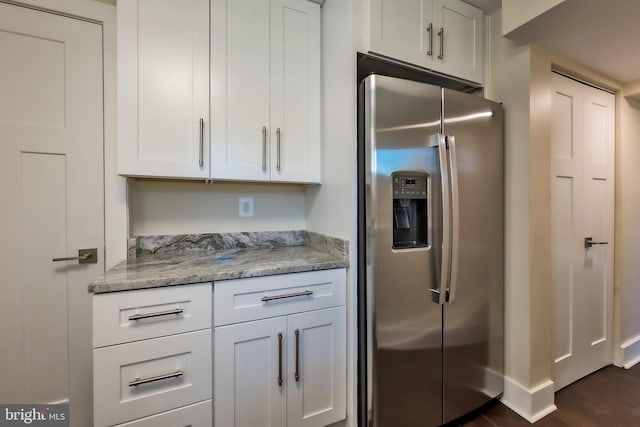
628, 354
116, 226
531, 404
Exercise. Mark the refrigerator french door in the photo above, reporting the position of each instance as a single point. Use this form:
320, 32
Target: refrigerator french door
432, 221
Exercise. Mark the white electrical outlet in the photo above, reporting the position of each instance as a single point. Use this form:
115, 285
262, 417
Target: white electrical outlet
245, 207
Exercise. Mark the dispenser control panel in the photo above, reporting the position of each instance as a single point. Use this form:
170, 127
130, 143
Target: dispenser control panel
409, 187
410, 209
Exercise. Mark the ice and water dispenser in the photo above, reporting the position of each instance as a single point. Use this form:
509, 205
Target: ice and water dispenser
409, 210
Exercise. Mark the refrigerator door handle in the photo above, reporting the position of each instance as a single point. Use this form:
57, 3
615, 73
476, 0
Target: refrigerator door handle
439, 294
455, 236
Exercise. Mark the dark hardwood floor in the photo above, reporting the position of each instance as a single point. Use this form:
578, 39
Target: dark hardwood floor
609, 397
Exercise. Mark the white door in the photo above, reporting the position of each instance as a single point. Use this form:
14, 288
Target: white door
163, 88
582, 191
250, 374
51, 184
295, 91
240, 52
403, 30
317, 354
459, 32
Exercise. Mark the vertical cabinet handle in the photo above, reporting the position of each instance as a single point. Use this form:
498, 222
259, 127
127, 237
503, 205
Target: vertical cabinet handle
296, 374
201, 151
441, 35
278, 149
279, 359
430, 31
264, 148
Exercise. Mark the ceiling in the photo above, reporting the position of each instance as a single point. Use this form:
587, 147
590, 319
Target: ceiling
601, 35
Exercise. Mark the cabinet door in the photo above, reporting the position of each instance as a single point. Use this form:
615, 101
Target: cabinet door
295, 91
458, 49
248, 360
400, 29
240, 89
317, 397
163, 88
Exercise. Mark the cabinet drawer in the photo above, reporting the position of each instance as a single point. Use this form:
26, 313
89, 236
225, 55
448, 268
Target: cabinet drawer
121, 317
261, 297
198, 415
138, 379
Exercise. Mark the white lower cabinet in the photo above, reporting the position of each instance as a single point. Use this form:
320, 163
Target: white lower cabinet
288, 370
145, 377
197, 415
152, 363
248, 362
316, 379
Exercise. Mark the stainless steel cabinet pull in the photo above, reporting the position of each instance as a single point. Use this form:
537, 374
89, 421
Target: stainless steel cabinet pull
140, 381
453, 180
85, 256
264, 148
297, 294
156, 314
430, 31
296, 374
588, 242
441, 35
201, 152
278, 149
280, 359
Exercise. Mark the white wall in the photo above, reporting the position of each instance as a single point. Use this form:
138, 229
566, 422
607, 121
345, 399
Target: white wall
331, 207
510, 84
521, 79
627, 277
516, 13
195, 207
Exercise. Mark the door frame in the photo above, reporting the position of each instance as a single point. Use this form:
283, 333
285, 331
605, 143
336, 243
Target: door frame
115, 187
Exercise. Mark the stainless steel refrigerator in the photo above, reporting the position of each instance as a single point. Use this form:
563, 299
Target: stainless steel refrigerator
431, 248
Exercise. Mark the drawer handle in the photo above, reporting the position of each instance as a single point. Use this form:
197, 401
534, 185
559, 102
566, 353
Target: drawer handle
156, 314
139, 381
297, 294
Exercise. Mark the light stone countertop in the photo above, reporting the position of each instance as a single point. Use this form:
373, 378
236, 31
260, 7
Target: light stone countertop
178, 260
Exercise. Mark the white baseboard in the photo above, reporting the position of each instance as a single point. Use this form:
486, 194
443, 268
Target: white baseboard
531, 404
628, 354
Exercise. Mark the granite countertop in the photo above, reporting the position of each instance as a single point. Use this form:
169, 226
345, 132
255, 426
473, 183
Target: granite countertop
156, 261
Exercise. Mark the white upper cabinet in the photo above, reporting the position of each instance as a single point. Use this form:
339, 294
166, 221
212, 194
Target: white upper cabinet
265, 98
262, 58
442, 35
163, 88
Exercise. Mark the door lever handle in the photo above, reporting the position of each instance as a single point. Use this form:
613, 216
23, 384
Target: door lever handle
588, 242
85, 256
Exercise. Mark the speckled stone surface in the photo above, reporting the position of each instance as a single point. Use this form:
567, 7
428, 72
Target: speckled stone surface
177, 260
